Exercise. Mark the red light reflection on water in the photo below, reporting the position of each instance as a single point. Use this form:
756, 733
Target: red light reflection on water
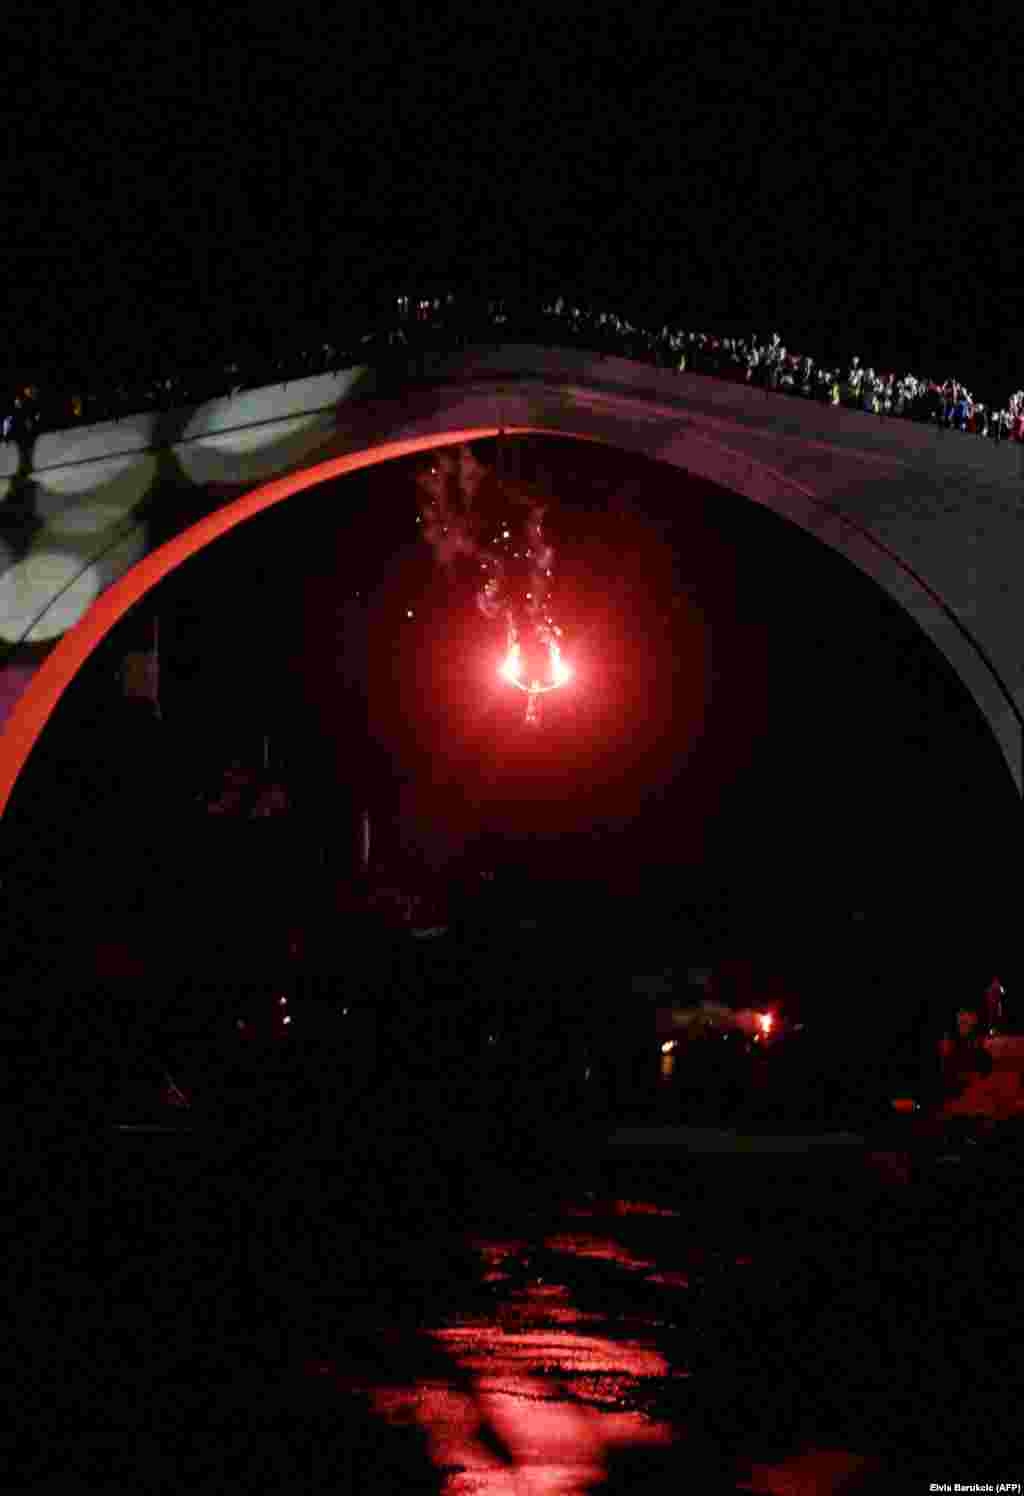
621, 1208
548, 1403
599, 1248
524, 1400
527, 1391
812, 1472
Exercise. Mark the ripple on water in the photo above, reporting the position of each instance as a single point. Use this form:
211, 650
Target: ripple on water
545, 1410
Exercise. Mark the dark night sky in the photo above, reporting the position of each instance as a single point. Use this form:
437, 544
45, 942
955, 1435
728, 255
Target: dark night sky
201, 177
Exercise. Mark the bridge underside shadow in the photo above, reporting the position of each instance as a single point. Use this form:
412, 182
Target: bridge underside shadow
929, 524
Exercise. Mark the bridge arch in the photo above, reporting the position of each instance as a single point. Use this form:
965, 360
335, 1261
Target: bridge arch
880, 495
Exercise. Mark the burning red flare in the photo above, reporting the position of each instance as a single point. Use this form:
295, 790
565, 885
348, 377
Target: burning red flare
513, 669
540, 669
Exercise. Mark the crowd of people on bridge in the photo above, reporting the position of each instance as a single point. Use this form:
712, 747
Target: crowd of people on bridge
449, 322
768, 364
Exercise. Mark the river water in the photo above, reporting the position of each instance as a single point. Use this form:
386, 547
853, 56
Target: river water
373, 1316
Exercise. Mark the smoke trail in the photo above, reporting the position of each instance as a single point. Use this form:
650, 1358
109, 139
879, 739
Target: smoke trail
514, 558
450, 486
540, 557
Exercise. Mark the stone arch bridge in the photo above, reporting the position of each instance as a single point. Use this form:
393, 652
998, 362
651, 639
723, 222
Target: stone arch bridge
933, 517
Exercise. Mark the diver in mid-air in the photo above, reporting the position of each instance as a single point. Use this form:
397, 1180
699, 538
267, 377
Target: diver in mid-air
533, 661
468, 512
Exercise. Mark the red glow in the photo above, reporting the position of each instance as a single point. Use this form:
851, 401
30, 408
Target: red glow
33, 708
766, 1021
513, 670
512, 665
560, 671
552, 1445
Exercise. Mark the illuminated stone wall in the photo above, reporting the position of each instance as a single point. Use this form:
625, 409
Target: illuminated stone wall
931, 516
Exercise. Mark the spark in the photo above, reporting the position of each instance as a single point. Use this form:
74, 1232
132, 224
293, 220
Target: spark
512, 670
560, 671
511, 666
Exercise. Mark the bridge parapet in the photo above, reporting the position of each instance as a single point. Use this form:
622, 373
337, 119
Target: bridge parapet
931, 516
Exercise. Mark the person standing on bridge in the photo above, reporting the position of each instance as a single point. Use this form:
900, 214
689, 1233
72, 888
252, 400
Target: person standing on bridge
993, 1005
947, 405
1017, 417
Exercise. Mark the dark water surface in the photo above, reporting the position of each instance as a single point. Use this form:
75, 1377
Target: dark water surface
393, 1312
